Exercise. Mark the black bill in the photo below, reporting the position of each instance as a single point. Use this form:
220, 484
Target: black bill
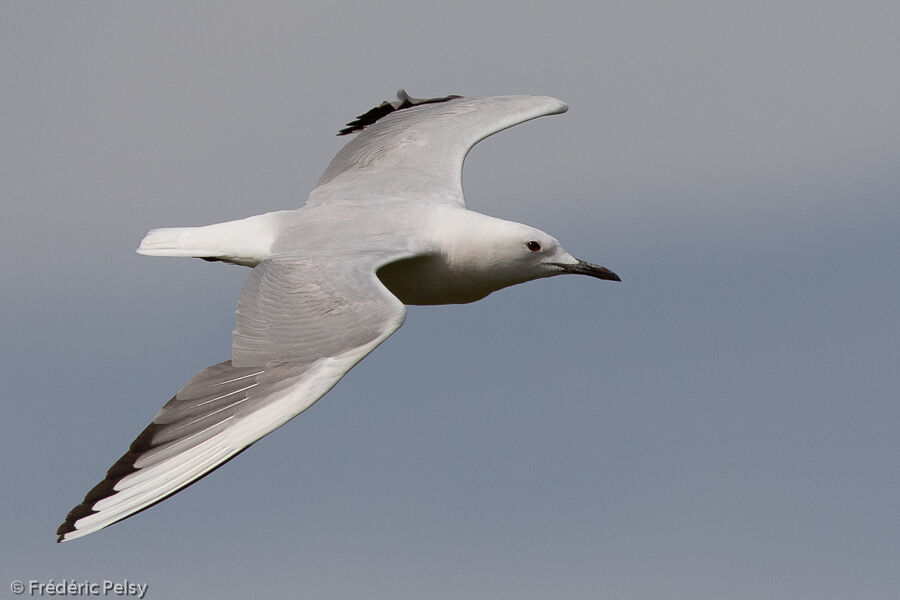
582, 267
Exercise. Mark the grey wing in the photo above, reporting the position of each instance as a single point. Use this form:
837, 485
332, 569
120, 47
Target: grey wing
419, 151
298, 332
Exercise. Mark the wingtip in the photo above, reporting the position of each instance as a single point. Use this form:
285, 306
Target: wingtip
69, 527
62, 532
557, 105
404, 100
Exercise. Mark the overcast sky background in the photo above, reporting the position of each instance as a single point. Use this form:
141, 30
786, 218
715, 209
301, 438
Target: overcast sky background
723, 424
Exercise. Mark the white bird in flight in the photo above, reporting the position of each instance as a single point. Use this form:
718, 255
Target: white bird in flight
386, 225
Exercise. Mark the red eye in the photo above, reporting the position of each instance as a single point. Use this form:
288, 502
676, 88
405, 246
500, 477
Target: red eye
533, 246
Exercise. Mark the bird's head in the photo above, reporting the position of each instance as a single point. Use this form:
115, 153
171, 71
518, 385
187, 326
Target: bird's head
511, 253
543, 256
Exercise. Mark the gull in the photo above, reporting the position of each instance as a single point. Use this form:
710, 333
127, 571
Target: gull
385, 226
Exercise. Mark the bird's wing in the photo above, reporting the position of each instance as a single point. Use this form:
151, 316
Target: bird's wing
416, 148
301, 325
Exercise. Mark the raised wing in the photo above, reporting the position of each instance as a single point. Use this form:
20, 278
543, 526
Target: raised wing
301, 325
418, 151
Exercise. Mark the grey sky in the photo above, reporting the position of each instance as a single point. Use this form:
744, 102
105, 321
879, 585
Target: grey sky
723, 424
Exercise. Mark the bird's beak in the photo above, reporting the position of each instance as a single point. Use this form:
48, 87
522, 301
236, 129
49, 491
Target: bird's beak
582, 267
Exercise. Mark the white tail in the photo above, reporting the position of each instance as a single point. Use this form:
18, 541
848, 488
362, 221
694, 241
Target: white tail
245, 242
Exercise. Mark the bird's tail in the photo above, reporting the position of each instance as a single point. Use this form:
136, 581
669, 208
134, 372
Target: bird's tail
244, 242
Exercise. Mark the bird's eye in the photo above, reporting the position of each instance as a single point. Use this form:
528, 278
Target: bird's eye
533, 246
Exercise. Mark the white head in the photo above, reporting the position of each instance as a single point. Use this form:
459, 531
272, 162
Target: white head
499, 253
526, 253
473, 255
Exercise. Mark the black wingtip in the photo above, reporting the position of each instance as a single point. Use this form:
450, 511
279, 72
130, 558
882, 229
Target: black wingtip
122, 467
68, 526
404, 100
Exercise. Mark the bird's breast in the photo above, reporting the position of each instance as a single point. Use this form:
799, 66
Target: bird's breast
430, 279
